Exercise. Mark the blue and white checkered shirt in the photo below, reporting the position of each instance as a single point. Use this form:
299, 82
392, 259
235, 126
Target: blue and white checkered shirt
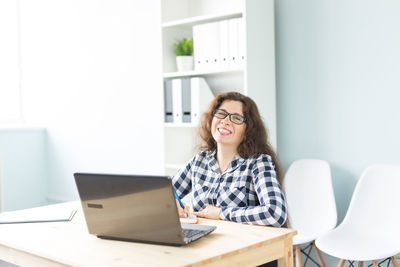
247, 192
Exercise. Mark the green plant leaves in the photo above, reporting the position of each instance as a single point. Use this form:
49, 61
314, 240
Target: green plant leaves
184, 47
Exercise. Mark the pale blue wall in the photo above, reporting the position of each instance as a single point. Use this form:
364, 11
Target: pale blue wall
23, 168
338, 85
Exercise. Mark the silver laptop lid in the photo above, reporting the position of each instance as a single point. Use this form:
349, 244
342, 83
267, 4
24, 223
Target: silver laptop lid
130, 207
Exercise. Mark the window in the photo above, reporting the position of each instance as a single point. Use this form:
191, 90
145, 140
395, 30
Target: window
10, 98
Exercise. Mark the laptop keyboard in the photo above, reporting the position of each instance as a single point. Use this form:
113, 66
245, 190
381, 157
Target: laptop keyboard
188, 233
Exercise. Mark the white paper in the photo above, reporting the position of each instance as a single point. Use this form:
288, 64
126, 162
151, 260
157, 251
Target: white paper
191, 219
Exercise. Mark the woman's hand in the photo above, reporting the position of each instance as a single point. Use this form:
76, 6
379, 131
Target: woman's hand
209, 212
183, 213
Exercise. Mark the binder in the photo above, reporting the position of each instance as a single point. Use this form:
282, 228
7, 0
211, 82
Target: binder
186, 100
198, 49
223, 44
168, 111
212, 45
206, 46
233, 43
177, 100
201, 97
241, 42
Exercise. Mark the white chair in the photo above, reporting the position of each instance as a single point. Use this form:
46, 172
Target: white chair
370, 230
311, 204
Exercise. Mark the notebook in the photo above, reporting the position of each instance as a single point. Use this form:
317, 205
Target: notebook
52, 213
134, 208
190, 219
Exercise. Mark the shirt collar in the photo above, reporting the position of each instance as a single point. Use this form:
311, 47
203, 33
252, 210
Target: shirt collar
212, 162
235, 163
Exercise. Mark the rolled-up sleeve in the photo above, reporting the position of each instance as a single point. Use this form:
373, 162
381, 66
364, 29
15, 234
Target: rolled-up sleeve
182, 181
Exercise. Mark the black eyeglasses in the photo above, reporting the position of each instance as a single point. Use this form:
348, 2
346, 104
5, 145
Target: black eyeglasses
233, 117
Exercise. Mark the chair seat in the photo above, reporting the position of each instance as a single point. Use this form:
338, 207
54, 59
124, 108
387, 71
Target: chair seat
358, 246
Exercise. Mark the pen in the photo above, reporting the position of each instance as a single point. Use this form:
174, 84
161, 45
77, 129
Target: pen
180, 201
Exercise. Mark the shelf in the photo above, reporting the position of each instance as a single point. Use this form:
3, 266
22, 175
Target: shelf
253, 76
189, 22
199, 73
180, 125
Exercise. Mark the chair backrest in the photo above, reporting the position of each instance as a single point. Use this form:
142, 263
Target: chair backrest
310, 197
375, 204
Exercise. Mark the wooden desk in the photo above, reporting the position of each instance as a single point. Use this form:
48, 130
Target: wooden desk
69, 243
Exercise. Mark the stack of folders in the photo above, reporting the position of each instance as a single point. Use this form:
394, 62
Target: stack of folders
186, 99
219, 45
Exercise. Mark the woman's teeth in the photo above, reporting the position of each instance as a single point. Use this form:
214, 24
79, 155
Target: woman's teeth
224, 131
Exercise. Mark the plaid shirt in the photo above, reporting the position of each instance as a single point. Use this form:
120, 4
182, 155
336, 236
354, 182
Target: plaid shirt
248, 191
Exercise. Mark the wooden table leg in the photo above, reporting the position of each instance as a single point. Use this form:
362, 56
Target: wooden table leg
287, 260
298, 256
360, 264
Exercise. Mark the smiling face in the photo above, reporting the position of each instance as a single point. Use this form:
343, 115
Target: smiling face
225, 132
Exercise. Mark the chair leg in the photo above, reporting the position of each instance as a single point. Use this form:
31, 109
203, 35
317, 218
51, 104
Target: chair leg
298, 256
319, 255
375, 263
395, 264
341, 262
360, 264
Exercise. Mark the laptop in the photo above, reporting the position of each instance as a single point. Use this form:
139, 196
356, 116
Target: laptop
134, 208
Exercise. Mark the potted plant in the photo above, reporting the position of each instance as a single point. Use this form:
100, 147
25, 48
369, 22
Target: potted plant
184, 54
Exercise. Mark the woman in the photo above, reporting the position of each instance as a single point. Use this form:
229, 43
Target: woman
237, 176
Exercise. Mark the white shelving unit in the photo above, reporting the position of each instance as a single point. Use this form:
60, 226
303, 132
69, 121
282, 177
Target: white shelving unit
179, 125
201, 73
189, 22
256, 78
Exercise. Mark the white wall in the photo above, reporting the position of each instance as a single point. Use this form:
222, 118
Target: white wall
92, 76
9, 63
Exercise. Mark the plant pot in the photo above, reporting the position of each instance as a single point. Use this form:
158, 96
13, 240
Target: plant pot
184, 63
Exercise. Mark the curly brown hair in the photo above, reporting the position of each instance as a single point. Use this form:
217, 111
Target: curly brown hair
255, 140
